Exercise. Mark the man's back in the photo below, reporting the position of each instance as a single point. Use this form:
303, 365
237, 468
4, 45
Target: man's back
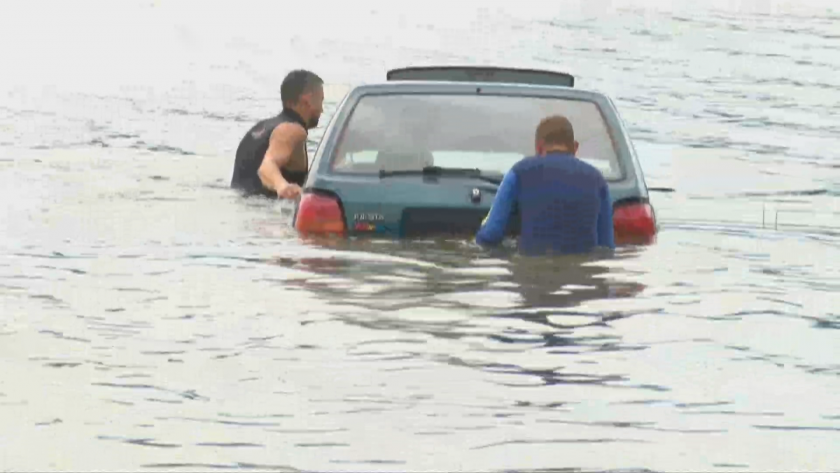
252, 148
249, 157
560, 201
564, 206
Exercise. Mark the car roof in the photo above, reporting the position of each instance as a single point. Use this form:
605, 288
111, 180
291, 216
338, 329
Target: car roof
493, 88
479, 79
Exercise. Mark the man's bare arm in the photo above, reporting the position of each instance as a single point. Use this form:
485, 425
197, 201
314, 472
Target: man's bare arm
285, 138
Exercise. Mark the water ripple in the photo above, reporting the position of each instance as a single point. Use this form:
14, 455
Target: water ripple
217, 466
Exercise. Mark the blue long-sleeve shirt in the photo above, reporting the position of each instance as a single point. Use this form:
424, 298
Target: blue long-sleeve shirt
564, 206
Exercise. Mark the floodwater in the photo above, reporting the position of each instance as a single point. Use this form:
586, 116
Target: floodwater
151, 319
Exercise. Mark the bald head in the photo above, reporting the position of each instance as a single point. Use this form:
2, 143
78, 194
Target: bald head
555, 134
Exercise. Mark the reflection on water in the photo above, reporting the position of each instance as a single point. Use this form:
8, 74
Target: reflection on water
535, 290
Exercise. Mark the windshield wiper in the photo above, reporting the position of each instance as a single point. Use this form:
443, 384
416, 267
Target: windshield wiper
441, 171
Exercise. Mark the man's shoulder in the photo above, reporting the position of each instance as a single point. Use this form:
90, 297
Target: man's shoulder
284, 130
262, 128
591, 170
584, 170
272, 123
289, 131
572, 167
526, 163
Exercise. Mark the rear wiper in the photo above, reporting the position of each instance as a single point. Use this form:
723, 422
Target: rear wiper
440, 171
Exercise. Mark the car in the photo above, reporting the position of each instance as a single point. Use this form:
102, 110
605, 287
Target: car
422, 153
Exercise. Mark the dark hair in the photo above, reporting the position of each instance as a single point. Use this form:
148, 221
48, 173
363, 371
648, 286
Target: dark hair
297, 83
556, 130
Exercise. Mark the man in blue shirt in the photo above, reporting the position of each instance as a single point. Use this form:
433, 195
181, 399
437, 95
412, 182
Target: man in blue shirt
564, 203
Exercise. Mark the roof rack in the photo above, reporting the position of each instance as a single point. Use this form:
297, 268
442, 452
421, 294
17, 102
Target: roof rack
482, 74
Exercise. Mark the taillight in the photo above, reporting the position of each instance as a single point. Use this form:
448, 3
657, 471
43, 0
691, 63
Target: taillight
634, 223
319, 214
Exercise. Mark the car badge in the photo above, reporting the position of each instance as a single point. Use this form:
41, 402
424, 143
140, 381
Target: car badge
476, 194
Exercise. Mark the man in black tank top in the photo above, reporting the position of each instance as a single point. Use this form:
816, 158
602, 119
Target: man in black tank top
272, 159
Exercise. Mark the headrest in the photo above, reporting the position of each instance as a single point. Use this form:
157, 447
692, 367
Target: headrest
404, 160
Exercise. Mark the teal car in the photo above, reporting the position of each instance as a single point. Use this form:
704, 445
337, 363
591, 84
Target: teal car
423, 153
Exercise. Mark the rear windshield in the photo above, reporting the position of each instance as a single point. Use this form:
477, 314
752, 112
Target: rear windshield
491, 133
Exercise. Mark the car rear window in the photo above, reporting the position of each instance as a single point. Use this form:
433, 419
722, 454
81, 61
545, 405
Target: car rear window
488, 132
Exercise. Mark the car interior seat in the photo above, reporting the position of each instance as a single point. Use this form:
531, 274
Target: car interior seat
404, 160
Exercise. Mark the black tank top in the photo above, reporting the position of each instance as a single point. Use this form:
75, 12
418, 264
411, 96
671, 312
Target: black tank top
251, 150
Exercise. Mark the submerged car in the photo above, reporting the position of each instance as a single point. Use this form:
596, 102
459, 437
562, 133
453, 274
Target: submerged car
423, 153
